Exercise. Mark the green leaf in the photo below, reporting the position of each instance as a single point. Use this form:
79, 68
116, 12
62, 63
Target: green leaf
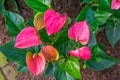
15, 5
63, 43
91, 20
47, 2
30, 22
104, 61
61, 75
87, 1
82, 15
65, 47
63, 37
92, 40
2, 5
36, 5
113, 32
22, 68
49, 70
72, 67
44, 36
14, 23
102, 16
95, 53
104, 5
15, 55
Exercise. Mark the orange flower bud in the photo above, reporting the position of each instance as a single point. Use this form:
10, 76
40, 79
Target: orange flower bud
39, 21
50, 53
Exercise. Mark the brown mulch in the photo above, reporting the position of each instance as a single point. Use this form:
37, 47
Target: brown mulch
72, 7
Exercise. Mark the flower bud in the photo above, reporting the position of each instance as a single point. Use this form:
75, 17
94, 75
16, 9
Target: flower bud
39, 21
50, 53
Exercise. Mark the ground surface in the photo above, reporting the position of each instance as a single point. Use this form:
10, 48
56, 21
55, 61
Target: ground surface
72, 7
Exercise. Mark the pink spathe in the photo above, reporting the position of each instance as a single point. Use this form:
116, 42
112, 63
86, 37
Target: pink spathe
54, 21
80, 32
115, 4
28, 37
35, 63
83, 52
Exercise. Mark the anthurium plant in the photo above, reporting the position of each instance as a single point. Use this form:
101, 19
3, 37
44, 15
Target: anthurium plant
50, 44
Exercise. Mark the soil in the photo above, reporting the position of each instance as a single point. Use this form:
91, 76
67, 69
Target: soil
72, 7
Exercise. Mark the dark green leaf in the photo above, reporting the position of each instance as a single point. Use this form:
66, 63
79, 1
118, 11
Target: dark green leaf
113, 32
15, 5
65, 47
30, 22
72, 67
49, 70
44, 35
2, 5
63, 43
92, 40
102, 16
14, 23
93, 23
87, 1
63, 37
61, 75
36, 5
104, 5
82, 15
104, 62
22, 68
15, 55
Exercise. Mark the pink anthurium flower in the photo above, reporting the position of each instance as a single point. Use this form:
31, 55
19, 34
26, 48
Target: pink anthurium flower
115, 4
54, 21
83, 52
80, 32
50, 53
35, 63
28, 37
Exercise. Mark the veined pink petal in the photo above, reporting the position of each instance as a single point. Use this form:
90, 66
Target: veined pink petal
80, 32
54, 21
115, 4
35, 63
83, 52
27, 38
74, 53
50, 53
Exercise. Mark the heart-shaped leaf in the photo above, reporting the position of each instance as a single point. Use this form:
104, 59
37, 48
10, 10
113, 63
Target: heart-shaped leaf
15, 55
14, 23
